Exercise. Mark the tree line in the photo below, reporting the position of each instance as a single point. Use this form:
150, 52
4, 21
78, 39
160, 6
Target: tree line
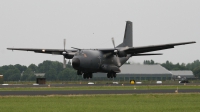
194, 66
54, 70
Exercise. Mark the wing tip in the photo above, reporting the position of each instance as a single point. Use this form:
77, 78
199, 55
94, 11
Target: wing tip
9, 48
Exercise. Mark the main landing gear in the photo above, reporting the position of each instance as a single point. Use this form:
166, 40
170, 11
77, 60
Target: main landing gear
111, 75
85, 75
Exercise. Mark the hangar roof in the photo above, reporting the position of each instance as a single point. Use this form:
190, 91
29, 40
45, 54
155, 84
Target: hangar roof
129, 70
143, 69
182, 73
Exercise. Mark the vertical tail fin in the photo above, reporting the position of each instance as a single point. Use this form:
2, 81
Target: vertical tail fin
128, 36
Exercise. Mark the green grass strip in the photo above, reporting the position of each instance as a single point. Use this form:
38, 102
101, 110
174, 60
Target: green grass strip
102, 103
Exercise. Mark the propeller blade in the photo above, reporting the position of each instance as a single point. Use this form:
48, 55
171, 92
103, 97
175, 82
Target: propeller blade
118, 61
64, 62
64, 43
113, 41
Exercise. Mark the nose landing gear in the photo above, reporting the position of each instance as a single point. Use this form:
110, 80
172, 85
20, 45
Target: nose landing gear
79, 72
87, 75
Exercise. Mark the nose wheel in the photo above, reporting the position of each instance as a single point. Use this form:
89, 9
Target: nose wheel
111, 75
87, 75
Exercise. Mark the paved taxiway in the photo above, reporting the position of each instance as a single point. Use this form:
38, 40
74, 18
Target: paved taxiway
87, 92
92, 92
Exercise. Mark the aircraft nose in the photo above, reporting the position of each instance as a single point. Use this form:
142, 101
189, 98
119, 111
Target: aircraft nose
75, 63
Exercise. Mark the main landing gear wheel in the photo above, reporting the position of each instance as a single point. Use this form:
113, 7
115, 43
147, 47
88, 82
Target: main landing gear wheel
111, 75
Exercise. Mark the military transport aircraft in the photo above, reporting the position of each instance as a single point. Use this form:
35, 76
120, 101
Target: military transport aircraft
89, 61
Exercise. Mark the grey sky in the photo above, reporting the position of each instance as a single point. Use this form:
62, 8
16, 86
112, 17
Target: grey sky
92, 24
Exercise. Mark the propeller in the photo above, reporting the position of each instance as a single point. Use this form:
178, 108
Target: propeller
113, 41
115, 50
64, 43
64, 61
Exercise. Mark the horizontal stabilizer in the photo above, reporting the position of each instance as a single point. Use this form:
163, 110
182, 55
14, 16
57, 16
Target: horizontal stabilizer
144, 49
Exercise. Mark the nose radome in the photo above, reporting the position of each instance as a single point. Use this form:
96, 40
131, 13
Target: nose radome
75, 63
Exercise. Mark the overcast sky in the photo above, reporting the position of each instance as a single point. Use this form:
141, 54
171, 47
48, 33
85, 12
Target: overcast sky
92, 24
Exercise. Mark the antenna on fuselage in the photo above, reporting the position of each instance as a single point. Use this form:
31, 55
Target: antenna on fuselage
76, 48
64, 43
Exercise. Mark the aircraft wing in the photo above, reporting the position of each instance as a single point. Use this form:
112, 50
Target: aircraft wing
134, 51
144, 49
47, 51
139, 51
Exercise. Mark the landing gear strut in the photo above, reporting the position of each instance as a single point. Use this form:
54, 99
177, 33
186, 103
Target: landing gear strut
111, 75
79, 72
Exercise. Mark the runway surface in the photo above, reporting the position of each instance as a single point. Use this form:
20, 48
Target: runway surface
86, 92
75, 85
92, 92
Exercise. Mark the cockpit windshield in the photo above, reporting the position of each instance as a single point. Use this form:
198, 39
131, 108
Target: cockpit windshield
81, 54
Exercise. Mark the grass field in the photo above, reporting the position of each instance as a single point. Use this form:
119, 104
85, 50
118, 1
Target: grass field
102, 103
140, 87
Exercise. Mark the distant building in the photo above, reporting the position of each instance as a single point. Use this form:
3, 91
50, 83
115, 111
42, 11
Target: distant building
140, 72
40, 78
177, 74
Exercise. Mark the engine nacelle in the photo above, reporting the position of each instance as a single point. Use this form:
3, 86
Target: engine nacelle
121, 54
